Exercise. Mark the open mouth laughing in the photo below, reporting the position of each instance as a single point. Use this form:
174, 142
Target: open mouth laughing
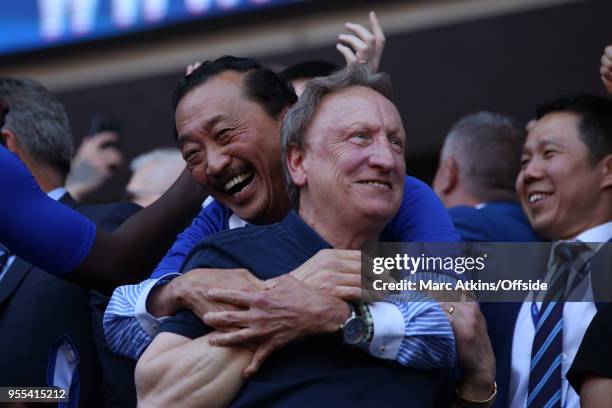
239, 182
533, 198
236, 183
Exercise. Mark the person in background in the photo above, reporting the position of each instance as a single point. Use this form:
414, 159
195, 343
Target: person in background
479, 162
302, 72
68, 245
590, 373
478, 190
363, 46
94, 163
565, 188
152, 174
358, 46
57, 312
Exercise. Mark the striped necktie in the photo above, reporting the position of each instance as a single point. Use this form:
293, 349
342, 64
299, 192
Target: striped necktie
544, 389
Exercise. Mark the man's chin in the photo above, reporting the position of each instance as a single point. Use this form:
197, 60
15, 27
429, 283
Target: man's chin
383, 215
252, 214
543, 227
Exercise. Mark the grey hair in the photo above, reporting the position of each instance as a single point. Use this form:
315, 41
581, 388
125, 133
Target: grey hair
164, 154
487, 147
39, 122
299, 116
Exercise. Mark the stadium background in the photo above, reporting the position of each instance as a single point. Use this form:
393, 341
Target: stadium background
446, 58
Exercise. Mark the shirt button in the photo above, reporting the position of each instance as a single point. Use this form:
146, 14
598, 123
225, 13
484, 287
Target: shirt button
382, 349
563, 356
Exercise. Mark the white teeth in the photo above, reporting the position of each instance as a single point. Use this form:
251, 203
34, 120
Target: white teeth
537, 197
375, 183
238, 179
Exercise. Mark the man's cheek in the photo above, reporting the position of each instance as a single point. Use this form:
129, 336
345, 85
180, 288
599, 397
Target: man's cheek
199, 175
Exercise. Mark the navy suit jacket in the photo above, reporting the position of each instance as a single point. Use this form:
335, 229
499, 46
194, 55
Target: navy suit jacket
499, 221
37, 308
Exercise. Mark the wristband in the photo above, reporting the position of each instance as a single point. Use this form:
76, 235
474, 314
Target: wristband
464, 402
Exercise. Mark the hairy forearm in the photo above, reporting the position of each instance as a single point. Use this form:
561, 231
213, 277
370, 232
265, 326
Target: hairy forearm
189, 373
130, 253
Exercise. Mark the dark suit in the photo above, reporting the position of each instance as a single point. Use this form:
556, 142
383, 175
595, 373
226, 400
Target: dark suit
37, 309
499, 221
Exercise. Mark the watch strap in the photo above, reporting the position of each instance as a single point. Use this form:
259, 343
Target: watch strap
367, 317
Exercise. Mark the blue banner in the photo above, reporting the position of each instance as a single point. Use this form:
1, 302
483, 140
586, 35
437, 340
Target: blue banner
27, 25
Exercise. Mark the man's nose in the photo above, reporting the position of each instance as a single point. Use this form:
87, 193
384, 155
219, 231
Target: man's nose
381, 155
217, 161
533, 170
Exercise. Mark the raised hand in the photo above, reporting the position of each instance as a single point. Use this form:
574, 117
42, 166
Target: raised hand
362, 45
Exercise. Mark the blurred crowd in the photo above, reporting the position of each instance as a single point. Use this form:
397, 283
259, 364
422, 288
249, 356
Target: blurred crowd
231, 275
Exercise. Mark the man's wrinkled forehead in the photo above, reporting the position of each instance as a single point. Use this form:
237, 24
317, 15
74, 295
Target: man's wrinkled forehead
355, 106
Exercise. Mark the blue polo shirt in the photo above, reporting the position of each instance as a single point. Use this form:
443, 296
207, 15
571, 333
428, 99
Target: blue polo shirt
318, 371
36, 227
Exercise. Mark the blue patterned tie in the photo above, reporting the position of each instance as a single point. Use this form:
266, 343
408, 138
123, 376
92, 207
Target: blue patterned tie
545, 372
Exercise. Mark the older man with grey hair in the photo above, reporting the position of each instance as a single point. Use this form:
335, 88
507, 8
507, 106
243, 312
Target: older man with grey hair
152, 174
343, 150
479, 163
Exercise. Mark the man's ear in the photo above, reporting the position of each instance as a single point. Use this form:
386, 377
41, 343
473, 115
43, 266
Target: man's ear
296, 165
606, 169
449, 175
10, 141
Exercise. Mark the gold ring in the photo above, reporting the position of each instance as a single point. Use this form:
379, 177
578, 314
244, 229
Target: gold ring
451, 309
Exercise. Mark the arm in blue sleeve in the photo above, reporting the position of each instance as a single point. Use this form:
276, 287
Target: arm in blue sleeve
415, 334
36, 227
421, 217
124, 333
129, 328
209, 220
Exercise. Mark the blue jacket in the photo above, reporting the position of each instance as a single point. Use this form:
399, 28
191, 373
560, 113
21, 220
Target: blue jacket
500, 221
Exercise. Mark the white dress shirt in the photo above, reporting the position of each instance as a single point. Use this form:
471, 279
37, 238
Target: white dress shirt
576, 319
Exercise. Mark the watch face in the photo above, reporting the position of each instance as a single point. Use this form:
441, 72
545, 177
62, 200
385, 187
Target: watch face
354, 331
